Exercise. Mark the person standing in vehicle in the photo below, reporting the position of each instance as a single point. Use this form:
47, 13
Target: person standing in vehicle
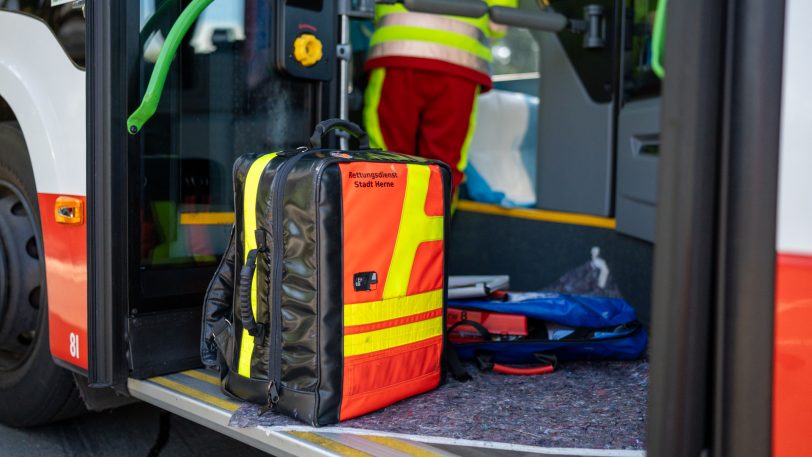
425, 74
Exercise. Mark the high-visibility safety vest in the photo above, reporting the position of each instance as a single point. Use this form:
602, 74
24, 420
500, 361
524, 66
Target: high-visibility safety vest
451, 44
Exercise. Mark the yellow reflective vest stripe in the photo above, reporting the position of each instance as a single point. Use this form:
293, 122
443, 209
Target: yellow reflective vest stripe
436, 22
400, 33
458, 40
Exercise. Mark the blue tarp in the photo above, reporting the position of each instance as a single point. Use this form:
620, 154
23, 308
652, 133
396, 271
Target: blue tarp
564, 309
626, 341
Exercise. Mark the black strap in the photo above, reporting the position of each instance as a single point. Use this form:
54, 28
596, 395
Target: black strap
484, 360
329, 125
483, 332
452, 362
246, 313
455, 366
221, 334
547, 359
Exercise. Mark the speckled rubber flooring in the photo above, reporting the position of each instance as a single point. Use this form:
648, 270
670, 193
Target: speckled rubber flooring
597, 405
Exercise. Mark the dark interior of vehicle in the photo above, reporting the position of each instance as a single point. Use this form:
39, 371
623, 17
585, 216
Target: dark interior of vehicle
595, 127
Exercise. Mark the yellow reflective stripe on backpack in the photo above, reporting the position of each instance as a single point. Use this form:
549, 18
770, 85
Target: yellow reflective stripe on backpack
392, 337
250, 191
415, 228
392, 308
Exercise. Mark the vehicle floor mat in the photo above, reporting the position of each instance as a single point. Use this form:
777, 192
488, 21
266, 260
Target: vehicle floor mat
583, 404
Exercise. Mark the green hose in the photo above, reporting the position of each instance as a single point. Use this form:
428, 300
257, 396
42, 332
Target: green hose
156, 82
658, 40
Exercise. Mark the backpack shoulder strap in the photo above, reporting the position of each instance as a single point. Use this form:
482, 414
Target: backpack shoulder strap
217, 308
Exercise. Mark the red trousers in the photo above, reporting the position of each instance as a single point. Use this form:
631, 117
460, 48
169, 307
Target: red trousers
423, 113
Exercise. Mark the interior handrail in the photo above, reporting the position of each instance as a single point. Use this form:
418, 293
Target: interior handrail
658, 40
152, 96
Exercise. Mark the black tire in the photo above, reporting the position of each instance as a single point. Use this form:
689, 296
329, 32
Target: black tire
33, 390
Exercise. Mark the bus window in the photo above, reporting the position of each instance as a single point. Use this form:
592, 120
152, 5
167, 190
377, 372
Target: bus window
515, 54
502, 157
222, 99
639, 79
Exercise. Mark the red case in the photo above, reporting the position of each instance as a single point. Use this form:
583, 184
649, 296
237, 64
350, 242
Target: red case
498, 324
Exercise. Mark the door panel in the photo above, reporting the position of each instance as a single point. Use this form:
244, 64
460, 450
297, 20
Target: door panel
161, 200
638, 147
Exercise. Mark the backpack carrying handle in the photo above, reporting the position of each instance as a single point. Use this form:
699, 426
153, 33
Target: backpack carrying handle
329, 125
246, 278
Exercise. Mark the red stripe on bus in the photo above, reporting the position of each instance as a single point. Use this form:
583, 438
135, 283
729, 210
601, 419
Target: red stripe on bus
792, 363
66, 275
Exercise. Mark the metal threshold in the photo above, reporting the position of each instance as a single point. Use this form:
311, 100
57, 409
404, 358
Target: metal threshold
196, 395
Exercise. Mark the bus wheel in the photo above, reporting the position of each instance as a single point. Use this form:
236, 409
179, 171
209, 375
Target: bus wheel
33, 390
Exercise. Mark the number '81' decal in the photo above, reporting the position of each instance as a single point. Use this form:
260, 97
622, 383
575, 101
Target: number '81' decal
74, 345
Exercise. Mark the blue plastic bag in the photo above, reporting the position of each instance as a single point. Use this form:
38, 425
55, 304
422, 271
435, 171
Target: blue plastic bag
610, 323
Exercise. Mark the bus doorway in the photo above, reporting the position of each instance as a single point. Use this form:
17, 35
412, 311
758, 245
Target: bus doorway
181, 157
576, 209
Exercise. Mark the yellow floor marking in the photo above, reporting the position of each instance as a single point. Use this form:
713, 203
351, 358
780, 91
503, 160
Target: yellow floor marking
196, 394
223, 218
200, 376
402, 446
330, 444
538, 215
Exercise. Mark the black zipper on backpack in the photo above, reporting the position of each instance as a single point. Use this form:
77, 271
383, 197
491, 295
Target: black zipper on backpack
277, 191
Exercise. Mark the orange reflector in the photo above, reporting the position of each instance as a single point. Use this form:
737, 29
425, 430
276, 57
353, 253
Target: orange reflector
206, 218
69, 210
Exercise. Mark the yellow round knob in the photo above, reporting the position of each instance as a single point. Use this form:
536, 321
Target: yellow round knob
307, 49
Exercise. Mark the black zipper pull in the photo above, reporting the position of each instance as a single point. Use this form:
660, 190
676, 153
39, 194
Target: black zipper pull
289, 153
273, 399
273, 394
262, 240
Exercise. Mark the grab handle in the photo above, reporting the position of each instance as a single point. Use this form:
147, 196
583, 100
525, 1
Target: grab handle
465, 8
658, 40
149, 104
329, 125
546, 364
522, 371
529, 19
246, 278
